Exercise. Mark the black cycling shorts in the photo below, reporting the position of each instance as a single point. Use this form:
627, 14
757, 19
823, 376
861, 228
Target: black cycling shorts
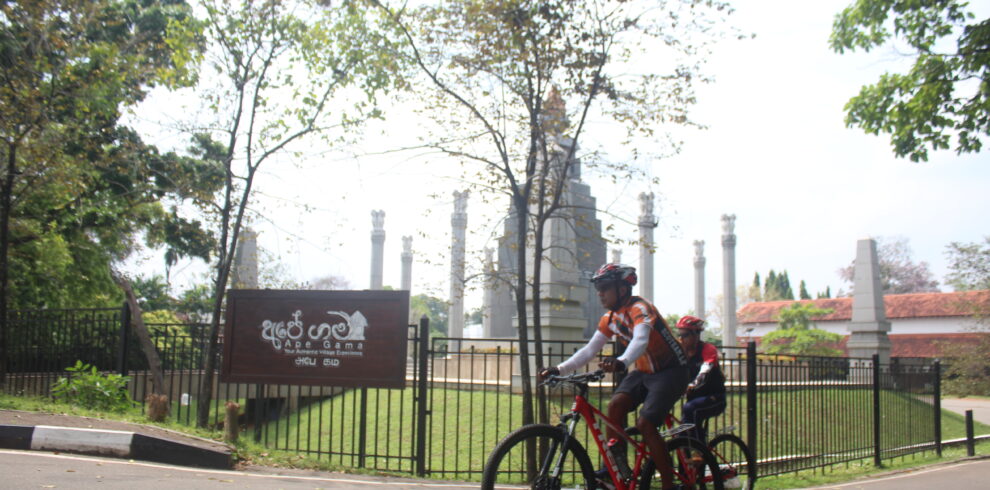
656, 391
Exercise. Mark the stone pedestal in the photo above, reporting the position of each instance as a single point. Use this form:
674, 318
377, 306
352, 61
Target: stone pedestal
869, 326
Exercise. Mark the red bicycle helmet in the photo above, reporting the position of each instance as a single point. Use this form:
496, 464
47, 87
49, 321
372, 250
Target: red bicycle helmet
614, 273
689, 322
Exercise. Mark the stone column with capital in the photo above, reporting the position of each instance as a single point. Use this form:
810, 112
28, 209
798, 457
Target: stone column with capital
377, 248
458, 223
647, 222
729, 280
616, 256
699, 278
869, 326
245, 274
407, 260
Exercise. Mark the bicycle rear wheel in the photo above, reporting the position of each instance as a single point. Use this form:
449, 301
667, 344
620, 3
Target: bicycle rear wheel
689, 472
734, 460
529, 455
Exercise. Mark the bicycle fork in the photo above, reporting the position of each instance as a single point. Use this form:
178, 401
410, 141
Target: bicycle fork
556, 468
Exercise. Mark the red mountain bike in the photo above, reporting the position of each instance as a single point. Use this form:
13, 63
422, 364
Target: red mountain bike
543, 456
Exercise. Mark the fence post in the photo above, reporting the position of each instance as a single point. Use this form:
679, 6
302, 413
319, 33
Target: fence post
125, 326
970, 446
751, 431
363, 429
876, 410
938, 407
423, 342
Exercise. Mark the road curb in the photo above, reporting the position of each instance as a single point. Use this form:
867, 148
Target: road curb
112, 443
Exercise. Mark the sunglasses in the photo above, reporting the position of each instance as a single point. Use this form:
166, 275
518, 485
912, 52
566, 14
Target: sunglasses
684, 335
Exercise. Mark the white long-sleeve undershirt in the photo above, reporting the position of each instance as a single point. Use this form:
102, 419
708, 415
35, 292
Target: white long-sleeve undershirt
584, 355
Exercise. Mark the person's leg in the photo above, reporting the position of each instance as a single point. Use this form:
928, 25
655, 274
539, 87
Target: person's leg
708, 407
689, 414
618, 410
663, 390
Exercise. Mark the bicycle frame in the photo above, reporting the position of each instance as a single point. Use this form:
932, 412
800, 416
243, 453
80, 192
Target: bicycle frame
591, 415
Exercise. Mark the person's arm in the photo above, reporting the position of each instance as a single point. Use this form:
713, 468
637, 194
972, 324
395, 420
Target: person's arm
585, 354
637, 346
709, 359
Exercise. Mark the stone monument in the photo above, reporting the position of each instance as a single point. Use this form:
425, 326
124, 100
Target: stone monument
377, 248
869, 326
729, 280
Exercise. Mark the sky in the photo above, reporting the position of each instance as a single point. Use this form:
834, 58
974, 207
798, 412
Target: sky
776, 154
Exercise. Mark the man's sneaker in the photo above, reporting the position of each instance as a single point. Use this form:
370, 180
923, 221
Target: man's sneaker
604, 479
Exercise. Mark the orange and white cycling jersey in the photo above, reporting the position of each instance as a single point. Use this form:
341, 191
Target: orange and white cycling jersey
662, 349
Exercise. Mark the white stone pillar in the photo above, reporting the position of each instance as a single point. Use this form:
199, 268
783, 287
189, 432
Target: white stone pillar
729, 280
616, 256
458, 223
488, 300
407, 260
377, 248
647, 222
699, 278
869, 326
246, 261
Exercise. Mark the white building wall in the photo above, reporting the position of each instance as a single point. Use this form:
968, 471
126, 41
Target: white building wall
898, 326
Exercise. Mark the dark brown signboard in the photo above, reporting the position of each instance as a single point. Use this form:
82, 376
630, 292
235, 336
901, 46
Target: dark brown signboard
327, 338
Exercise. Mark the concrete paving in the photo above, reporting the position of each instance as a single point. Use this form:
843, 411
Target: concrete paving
979, 406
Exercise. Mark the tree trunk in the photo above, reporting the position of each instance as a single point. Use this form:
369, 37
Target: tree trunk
6, 193
144, 337
521, 231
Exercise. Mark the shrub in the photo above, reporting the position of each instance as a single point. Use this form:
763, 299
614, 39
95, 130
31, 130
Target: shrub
86, 387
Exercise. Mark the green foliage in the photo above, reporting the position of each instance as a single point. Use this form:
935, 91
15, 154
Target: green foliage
777, 287
86, 387
433, 308
942, 96
796, 333
969, 265
804, 291
82, 187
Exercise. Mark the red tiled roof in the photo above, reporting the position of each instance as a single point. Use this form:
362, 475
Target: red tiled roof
917, 305
909, 345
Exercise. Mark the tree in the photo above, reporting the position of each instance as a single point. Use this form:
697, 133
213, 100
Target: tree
274, 69
969, 265
796, 333
500, 73
433, 308
968, 367
898, 272
804, 291
777, 287
943, 95
67, 68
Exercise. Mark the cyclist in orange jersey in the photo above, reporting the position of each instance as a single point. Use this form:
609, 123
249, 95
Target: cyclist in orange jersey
657, 367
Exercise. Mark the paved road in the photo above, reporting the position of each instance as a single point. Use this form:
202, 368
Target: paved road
979, 406
39, 469
964, 475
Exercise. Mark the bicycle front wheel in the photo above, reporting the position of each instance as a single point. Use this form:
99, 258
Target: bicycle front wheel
535, 456
734, 461
694, 467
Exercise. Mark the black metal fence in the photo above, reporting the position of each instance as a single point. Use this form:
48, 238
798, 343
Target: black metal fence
463, 395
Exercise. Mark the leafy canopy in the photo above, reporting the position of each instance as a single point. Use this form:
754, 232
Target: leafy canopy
796, 333
944, 96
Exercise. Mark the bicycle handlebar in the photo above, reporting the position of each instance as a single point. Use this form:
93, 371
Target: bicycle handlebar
576, 379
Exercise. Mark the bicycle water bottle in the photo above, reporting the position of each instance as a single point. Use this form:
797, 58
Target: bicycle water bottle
618, 453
